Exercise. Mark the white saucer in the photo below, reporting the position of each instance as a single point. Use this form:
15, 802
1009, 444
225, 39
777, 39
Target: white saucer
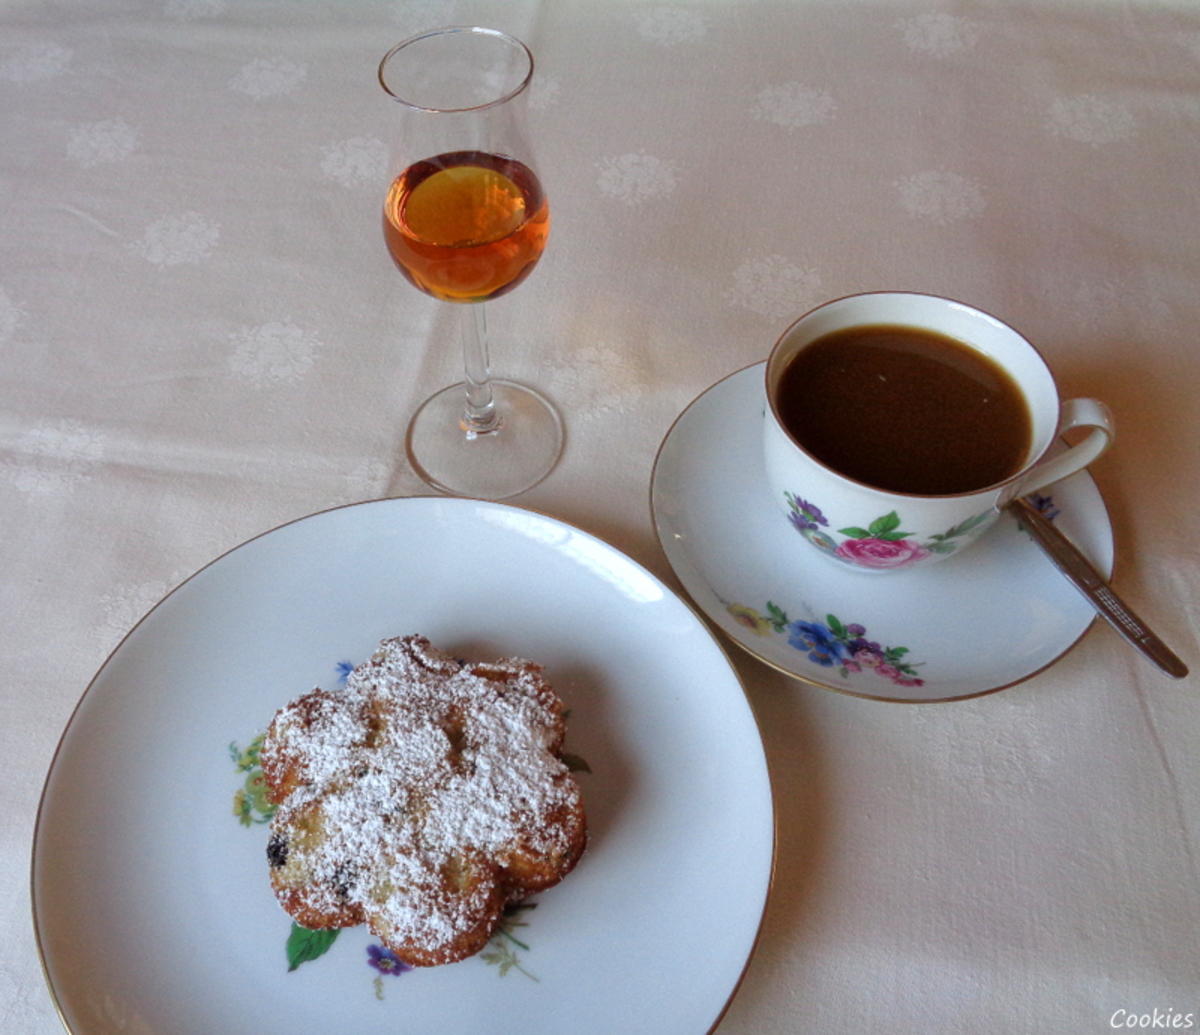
966, 626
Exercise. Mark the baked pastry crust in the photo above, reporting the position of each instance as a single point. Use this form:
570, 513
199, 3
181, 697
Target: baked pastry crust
421, 800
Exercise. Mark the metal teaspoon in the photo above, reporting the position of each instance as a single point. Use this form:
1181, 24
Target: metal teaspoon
1099, 594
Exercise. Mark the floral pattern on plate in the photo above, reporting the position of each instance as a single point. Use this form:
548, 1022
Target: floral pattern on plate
832, 644
841, 646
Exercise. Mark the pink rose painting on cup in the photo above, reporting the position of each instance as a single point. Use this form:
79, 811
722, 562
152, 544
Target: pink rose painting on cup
881, 545
881, 552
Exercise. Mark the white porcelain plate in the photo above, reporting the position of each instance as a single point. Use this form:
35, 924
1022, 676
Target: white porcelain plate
965, 626
151, 900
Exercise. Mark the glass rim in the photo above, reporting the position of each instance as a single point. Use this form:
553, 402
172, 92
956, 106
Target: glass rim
449, 30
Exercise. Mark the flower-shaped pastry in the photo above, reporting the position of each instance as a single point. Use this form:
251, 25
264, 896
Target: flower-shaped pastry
421, 799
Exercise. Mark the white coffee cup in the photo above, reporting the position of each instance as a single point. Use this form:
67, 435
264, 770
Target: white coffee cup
876, 530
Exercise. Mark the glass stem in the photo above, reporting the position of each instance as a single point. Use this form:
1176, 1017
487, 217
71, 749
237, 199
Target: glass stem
480, 416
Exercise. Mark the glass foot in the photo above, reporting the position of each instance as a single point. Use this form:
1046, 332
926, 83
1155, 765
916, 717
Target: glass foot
491, 466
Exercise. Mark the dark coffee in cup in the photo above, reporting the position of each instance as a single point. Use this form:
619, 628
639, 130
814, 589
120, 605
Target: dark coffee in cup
897, 427
905, 409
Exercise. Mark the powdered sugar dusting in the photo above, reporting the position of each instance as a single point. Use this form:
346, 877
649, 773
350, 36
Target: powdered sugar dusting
417, 797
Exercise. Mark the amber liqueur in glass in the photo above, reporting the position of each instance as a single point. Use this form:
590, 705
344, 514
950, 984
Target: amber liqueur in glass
467, 225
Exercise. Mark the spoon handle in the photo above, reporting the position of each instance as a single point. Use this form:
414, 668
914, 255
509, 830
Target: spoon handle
1099, 594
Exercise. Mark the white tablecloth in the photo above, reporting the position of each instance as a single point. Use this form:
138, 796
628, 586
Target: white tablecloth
201, 337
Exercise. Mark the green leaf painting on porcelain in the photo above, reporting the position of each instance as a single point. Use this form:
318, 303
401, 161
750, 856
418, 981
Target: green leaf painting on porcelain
304, 945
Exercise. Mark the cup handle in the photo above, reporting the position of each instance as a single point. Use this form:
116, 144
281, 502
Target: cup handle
1075, 413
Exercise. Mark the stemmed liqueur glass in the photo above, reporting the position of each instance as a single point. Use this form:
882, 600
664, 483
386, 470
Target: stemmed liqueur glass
466, 220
